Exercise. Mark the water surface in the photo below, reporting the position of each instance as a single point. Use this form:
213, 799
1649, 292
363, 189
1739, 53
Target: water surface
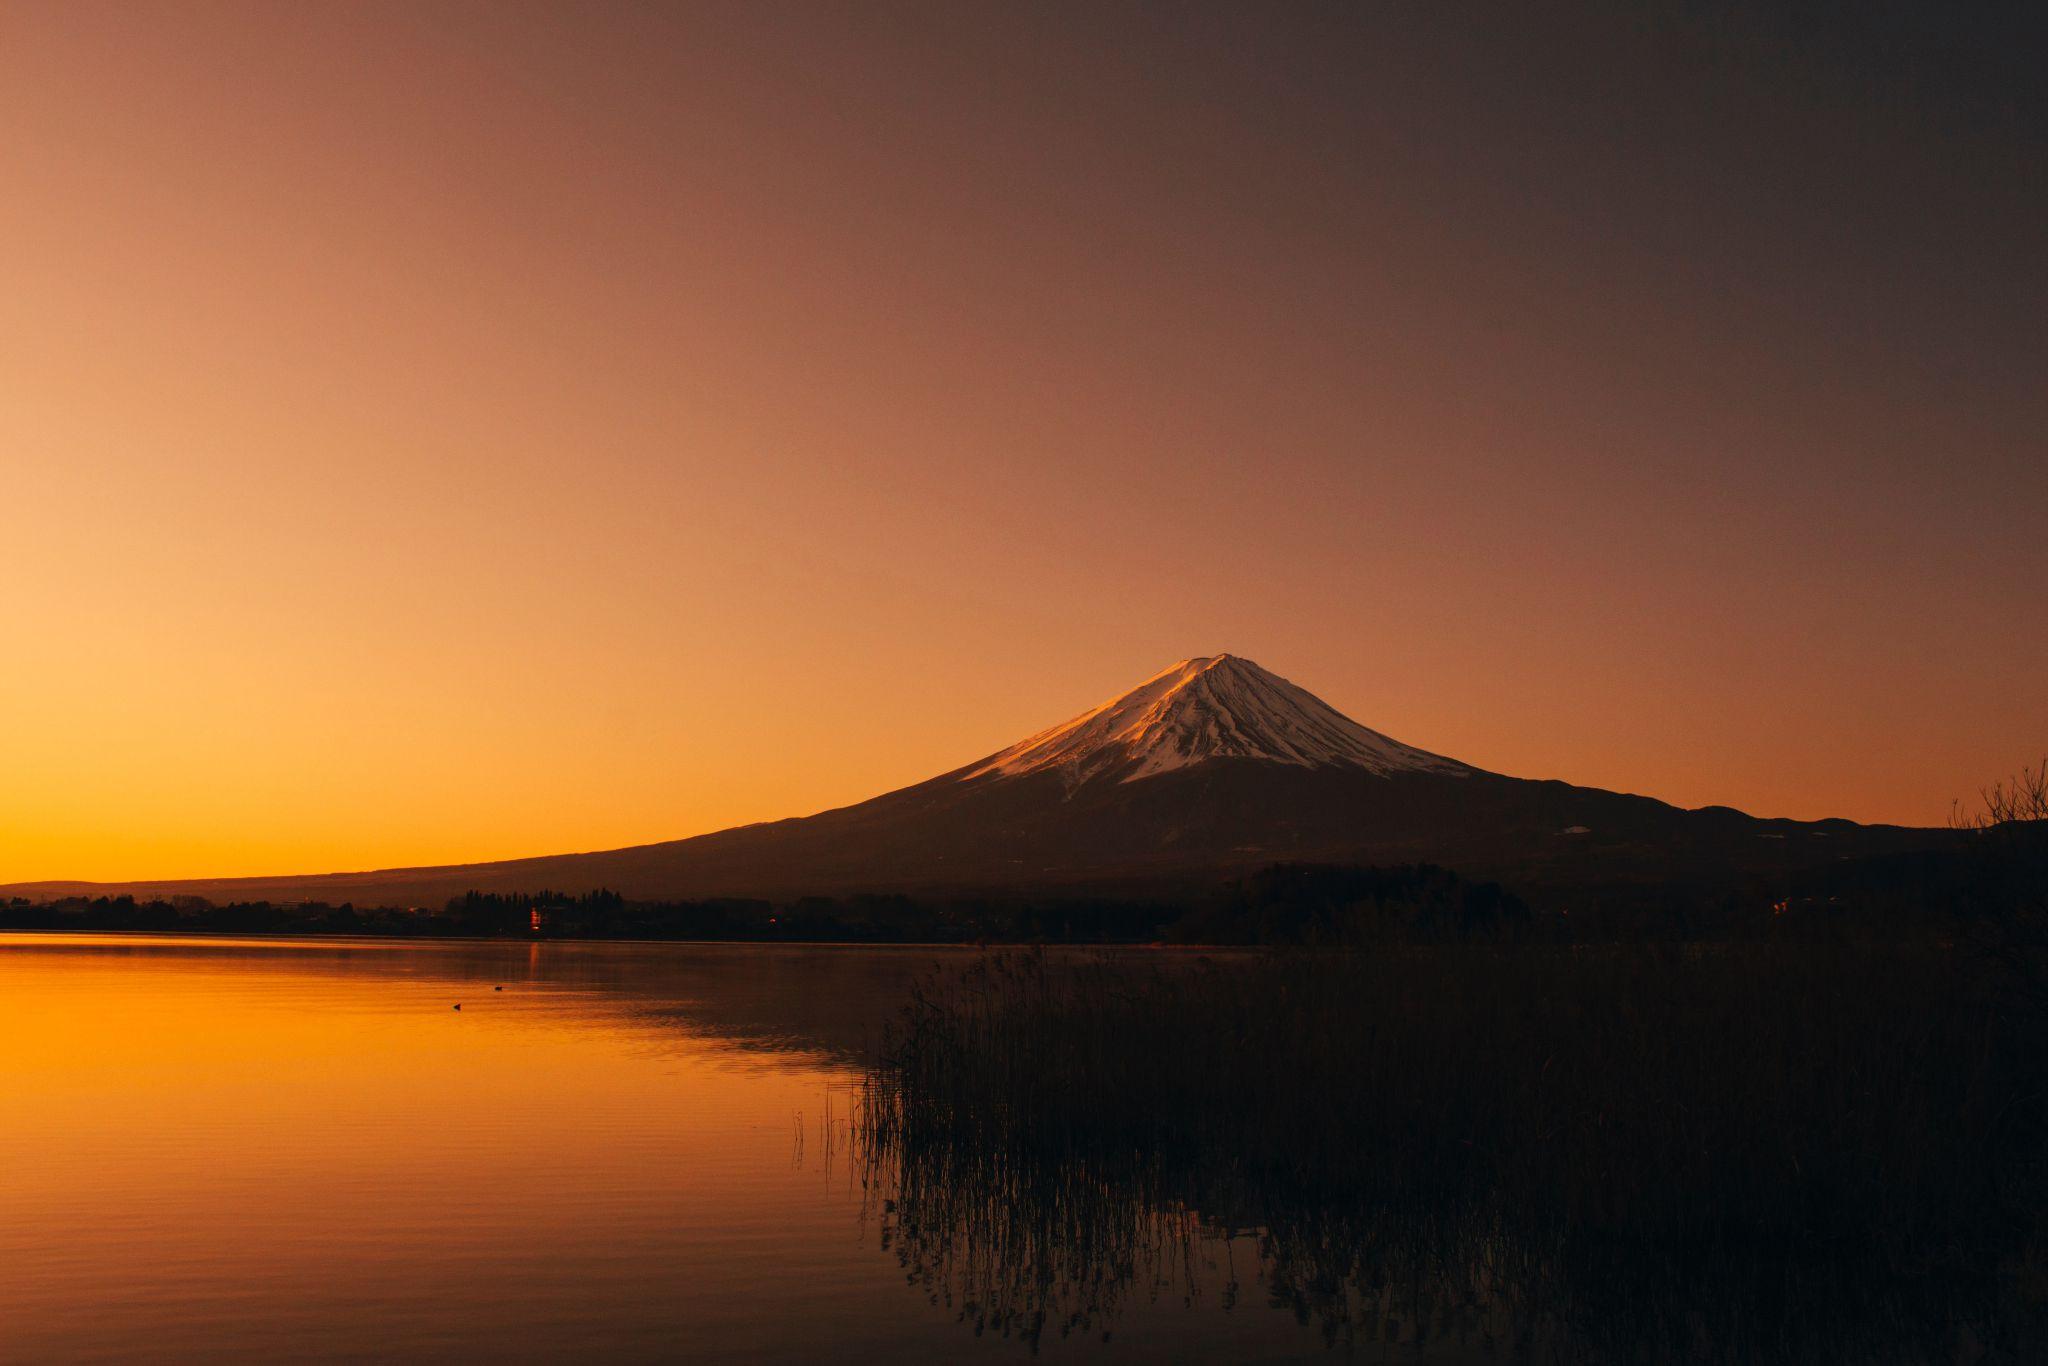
267, 1149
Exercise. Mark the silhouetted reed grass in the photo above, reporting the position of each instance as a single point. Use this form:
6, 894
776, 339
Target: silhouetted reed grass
1734, 1152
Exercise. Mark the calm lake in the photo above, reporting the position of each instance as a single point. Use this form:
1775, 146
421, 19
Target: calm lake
289, 1149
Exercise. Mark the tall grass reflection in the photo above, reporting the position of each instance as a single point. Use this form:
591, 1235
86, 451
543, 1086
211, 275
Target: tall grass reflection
1743, 1153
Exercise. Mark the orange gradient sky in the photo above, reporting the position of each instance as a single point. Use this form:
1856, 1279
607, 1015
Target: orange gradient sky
434, 433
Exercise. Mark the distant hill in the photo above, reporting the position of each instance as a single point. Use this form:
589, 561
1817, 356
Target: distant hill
1208, 769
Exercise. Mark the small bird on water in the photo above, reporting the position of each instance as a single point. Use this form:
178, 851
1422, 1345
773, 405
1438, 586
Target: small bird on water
458, 1005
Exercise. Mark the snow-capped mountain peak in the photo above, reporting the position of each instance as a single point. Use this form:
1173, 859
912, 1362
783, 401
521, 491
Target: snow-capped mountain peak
1211, 707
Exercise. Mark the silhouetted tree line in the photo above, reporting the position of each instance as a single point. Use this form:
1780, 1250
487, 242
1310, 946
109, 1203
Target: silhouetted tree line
606, 914
197, 915
1988, 888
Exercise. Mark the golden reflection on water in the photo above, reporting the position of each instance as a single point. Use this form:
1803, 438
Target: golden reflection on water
306, 1147
261, 1149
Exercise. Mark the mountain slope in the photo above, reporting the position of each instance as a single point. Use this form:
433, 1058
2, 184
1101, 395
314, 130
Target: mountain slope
1208, 768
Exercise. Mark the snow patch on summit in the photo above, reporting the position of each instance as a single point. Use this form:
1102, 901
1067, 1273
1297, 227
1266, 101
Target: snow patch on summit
1212, 707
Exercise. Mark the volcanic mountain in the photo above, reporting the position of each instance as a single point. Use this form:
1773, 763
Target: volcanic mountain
1211, 767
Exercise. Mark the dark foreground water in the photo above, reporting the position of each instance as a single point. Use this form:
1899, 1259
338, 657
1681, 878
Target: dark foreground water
233, 1150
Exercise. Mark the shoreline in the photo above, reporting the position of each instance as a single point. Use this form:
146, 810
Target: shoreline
8, 932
